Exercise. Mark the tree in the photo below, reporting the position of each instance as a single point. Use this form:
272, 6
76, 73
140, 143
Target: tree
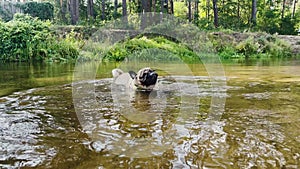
162, 6
167, 6
42, 10
172, 7
253, 12
74, 11
238, 11
283, 9
124, 8
63, 7
115, 8
189, 10
147, 6
196, 14
294, 8
215, 8
103, 9
124, 11
207, 9
90, 9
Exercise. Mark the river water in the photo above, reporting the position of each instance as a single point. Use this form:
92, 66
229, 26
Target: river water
249, 118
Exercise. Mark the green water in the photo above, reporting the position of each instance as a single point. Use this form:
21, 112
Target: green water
44, 124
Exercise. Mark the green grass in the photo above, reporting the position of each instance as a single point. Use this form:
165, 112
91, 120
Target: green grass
145, 48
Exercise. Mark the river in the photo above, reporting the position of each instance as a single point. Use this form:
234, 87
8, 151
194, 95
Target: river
248, 117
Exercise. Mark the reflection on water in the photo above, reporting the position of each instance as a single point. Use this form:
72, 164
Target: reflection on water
259, 128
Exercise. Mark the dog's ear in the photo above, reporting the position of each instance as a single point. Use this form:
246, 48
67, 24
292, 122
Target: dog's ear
132, 74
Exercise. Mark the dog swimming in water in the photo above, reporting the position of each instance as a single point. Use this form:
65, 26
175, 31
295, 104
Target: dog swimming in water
144, 80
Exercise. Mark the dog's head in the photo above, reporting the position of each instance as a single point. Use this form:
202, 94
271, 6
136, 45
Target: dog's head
144, 79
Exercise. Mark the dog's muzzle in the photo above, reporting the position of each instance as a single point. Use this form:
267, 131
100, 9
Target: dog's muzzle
149, 78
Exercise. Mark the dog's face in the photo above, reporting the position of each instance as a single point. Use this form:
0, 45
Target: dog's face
144, 79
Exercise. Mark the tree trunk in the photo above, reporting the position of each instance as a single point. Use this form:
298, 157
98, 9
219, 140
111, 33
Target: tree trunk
167, 6
161, 9
238, 10
143, 15
90, 9
124, 11
162, 6
115, 8
63, 11
207, 9
172, 6
283, 9
124, 8
74, 11
189, 10
196, 10
153, 6
149, 5
215, 8
143, 6
294, 8
103, 10
253, 12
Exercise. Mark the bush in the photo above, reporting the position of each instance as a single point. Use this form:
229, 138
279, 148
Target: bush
249, 47
253, 46
26, 38
134, 47
42, 10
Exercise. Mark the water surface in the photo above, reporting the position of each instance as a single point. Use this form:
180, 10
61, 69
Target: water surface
169, 128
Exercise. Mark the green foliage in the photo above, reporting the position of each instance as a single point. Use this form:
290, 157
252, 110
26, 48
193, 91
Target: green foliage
288, 26
205, 24
136, 47
248, 47
42, 10
229, 52
4, 14
259, 46
180, 10
269, 21
230, 46
26, 38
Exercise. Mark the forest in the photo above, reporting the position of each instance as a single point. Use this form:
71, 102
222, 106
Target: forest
267, 18
272, 16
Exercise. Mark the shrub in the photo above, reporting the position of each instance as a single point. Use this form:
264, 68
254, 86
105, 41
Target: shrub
248, 47
42, 10
26, 38
137, 46
264, 45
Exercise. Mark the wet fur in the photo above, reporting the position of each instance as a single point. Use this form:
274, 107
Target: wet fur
144, 79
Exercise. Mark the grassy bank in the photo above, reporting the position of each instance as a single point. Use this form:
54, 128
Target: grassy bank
229, 48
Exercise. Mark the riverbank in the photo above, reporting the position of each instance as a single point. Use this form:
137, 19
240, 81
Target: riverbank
26, 39
226, 42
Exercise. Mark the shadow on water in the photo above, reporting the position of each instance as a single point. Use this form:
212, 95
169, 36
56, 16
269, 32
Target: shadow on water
259, 128
20, 76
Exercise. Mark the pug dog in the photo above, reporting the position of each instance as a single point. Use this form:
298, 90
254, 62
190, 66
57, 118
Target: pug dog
144, 80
